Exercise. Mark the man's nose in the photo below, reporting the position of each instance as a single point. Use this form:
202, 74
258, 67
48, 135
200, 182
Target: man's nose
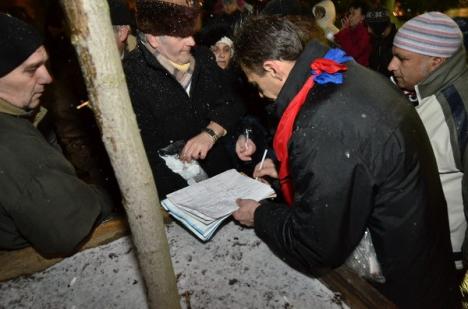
190, 41
44, 75
393, 64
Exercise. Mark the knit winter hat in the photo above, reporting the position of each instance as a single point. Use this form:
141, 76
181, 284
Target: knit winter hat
166, 17
432, 34
228, 42
18, 41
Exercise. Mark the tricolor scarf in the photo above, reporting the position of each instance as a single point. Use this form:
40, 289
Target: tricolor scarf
323, 71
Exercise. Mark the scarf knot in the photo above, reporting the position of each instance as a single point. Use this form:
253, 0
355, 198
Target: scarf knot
327, 69
323, 71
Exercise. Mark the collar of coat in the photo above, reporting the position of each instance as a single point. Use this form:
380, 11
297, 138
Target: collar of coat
299, 73
444, 76
35, 116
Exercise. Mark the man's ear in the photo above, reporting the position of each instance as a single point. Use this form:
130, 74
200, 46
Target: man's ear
153, 40
273, 68
436, 62
123, 33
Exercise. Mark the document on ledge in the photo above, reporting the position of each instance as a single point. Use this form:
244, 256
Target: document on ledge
202, 206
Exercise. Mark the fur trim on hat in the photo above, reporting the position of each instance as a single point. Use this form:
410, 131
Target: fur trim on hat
165, 18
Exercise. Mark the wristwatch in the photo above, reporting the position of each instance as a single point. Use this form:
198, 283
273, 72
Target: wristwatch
211, 133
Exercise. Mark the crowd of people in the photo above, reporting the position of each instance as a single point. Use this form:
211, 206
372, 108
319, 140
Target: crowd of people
365, 126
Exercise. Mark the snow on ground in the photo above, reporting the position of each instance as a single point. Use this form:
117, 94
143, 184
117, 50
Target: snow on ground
233, 270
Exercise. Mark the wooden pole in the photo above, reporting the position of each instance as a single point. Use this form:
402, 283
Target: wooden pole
93, 38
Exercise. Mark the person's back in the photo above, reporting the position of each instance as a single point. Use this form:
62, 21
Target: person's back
357, 158
375, 144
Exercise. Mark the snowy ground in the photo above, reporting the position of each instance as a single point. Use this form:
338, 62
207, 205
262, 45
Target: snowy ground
233, 270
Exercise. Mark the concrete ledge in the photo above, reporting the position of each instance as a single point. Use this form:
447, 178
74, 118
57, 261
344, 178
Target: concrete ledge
348, 286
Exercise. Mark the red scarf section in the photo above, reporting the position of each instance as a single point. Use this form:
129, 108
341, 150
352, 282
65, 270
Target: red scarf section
286, 123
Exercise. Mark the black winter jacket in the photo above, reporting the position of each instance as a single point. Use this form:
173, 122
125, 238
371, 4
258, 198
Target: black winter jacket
165, 113
360, 158
382, 54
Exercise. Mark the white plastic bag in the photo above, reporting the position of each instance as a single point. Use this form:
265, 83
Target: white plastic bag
192, 172
364, 261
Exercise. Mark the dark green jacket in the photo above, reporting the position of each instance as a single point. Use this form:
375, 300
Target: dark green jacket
42, 202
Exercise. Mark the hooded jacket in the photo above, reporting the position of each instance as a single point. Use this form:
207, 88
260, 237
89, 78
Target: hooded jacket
327, 21
360, 159
443, 108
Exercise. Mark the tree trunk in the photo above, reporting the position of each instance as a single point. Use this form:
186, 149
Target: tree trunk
93, 38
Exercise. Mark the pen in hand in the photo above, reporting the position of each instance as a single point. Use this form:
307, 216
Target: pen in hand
247, 135
263, 161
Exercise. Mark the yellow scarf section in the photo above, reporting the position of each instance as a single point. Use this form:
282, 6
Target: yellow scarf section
35, 116
181, 67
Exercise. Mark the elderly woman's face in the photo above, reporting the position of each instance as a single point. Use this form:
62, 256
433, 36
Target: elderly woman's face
223, 54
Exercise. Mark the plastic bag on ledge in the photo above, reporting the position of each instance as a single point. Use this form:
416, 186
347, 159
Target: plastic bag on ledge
364, 261
192, 172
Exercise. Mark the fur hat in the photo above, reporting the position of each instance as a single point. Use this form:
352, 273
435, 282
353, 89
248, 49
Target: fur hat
172, 18
18, 41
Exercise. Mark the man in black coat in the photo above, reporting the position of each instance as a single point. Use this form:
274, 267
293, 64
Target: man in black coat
382, 31
178, 92
353, 157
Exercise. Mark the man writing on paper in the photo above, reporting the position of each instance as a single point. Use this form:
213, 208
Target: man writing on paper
354, 156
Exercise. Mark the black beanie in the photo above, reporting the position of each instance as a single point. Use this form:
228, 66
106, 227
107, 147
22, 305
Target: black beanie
18, 41
120, 14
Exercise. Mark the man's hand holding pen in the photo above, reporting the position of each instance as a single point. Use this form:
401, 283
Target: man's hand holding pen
245, 147
267, 169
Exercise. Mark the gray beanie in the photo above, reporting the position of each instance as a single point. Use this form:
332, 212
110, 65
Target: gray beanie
18, 41
431, 34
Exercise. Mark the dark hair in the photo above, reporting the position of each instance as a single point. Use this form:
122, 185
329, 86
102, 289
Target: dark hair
360, 4
262, 38
309, 29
